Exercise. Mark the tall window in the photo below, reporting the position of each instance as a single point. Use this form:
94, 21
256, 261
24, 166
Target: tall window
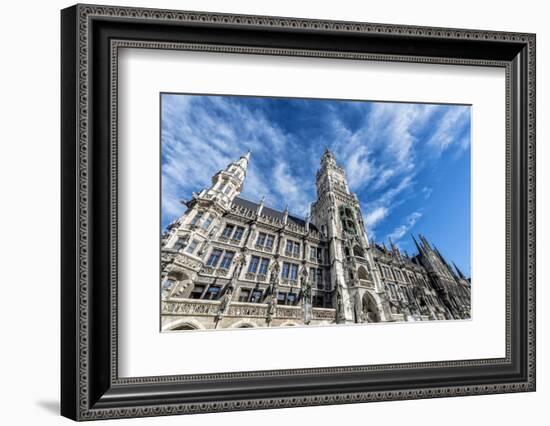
269, 241
286, 270
291, 298
261, 239
410, 295
312, 253
292, 248
228, 230
207, 222
213, 292
179, 244
404, 293
319, 277
387, 272
256, 296
289, 245
253, 266
398, 275
244, 295
265, 240
293, 271
393, 291
227, 189
263, 266
197, 217
192, 246
197, 291
281, 298
227, 259
239, 231
214, 258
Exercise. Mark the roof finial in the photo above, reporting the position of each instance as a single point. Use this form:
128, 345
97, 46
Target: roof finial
285, 218
260, 206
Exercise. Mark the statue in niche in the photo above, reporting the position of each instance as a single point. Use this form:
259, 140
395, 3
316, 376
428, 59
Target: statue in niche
305, 284
339, 302
358, 308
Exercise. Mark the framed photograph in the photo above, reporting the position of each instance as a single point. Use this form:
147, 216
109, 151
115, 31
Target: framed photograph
263, 212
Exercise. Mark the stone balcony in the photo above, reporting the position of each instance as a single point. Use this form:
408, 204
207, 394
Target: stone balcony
201, 308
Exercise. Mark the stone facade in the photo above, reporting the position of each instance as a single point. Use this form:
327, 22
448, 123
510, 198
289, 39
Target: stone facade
232, 263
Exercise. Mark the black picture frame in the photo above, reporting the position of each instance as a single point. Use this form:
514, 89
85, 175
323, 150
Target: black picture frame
90, 386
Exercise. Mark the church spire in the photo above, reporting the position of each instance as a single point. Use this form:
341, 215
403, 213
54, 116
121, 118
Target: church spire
416, 244
460, 274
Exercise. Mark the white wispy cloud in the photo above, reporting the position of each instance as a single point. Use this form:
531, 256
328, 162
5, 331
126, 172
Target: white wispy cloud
375, 216
402, 229
290, 189
427, 192
453, 123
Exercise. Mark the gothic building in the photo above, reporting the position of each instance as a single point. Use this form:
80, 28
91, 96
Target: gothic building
232, 263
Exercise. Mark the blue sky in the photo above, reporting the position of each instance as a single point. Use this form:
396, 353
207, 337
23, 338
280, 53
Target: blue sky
409, 164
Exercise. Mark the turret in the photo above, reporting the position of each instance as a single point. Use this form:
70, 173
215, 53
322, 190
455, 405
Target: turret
227, 184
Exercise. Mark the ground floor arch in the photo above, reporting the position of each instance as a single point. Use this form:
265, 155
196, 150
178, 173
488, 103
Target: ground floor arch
371, 312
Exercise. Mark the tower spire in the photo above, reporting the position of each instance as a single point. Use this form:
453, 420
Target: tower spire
242, 162
460, 274
416, 244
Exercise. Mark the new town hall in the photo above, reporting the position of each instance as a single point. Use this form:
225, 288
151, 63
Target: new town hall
232, 263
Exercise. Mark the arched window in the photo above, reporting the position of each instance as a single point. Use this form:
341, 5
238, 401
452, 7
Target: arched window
362, 273
358, 251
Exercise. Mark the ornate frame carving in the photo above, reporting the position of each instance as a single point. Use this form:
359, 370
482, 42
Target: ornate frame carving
91, 37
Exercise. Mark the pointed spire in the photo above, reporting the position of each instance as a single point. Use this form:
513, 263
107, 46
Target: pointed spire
417, 245
460, 274
261, 206
307, 221
285, 218
425, 242
328, 156
442, 258
242, 161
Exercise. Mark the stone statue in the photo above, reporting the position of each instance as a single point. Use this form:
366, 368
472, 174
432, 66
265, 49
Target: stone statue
358, 307
305, 284
226, 298
340, 316
271, 308
274, 274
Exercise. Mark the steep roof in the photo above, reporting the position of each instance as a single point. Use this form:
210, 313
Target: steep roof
269, 212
